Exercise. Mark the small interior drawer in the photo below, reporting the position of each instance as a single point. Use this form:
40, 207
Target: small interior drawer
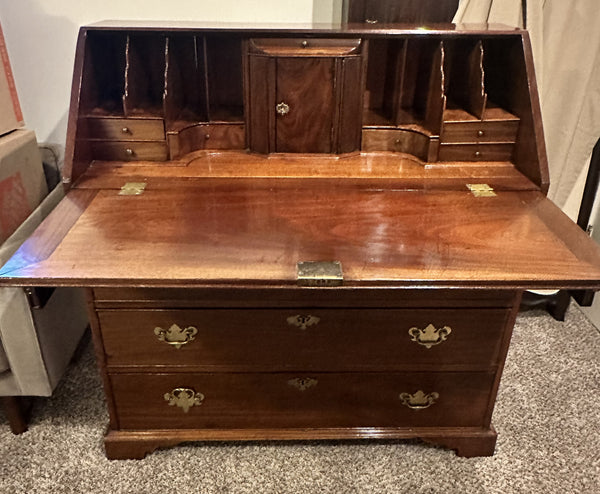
121, 129
480, 132
400, 141
331, 47
476, 152
206, 136
129, 150
274, 400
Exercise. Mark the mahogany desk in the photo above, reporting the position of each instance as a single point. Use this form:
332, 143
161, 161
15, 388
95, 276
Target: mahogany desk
206, 165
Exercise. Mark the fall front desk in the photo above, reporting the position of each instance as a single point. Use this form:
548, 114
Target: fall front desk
303, 232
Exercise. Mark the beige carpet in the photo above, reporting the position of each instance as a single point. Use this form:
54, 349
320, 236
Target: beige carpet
547, 416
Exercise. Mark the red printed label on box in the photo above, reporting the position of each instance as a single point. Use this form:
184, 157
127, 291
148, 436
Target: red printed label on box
14, 207
9, 77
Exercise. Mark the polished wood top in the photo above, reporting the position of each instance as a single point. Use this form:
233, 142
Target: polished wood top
292, 28
253, 233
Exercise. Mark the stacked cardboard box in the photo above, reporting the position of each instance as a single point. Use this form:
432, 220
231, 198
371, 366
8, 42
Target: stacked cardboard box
22, 181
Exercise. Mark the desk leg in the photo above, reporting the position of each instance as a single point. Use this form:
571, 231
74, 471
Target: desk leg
16, 409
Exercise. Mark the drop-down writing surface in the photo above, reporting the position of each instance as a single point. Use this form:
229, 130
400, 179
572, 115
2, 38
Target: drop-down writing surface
244, 234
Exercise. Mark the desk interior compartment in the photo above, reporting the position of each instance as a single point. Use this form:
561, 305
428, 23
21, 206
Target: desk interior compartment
203, 98
103, 80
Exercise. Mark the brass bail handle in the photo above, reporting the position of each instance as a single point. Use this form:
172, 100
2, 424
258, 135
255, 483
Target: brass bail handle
418, 400
282, 108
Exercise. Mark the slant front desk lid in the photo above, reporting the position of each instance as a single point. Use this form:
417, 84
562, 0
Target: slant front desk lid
217, 233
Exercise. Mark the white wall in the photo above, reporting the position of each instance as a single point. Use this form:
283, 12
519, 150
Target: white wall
41, 35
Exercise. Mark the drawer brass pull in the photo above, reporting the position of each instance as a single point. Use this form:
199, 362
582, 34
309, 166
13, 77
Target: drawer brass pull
303, 383
480, 133
175, 335
129, 152
125, 130
430, 336
282, 108
184, 398
303, 321
419, 400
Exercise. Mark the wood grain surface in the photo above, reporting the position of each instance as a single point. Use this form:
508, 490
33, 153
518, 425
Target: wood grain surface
346, 339
249, 234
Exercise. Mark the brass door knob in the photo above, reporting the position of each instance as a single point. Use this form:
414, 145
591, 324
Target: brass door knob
282, 108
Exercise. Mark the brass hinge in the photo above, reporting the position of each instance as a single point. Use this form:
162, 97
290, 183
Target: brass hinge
589, 230
481, 190
320, 273
132, 189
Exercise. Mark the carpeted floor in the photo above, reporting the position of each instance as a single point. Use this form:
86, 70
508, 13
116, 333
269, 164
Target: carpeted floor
547, 417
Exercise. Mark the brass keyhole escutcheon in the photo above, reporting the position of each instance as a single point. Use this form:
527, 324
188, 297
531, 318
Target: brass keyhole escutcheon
184, 398
303, 321
418, 400
175, 335
429, 336
303, 383
282, 108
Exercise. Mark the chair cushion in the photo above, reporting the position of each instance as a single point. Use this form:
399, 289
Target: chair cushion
4, 366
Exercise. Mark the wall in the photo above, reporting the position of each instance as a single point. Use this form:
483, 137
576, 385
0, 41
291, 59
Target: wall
41, 35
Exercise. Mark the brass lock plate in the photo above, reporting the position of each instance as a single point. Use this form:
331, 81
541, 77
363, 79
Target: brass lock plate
320, 273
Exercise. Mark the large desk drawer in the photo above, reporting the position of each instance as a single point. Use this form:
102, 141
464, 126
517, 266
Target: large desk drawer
280, 400
294, 339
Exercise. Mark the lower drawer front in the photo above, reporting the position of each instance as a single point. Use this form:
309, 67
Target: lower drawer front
279, 339
286, 400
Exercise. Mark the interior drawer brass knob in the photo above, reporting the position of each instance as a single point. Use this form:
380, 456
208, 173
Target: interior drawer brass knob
480, 133
418, 400
125, 130
303, 321
430, 336
184, 398
282, 108
175, 335
129, 152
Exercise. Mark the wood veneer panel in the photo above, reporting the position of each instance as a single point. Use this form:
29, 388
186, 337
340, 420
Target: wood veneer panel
337, 339
306, 85
298, 297
260, 400
224, 234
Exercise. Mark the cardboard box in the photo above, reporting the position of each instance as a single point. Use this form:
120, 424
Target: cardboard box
22, 180
11, 116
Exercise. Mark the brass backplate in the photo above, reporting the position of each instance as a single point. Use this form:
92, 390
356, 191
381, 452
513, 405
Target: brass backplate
320, 273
